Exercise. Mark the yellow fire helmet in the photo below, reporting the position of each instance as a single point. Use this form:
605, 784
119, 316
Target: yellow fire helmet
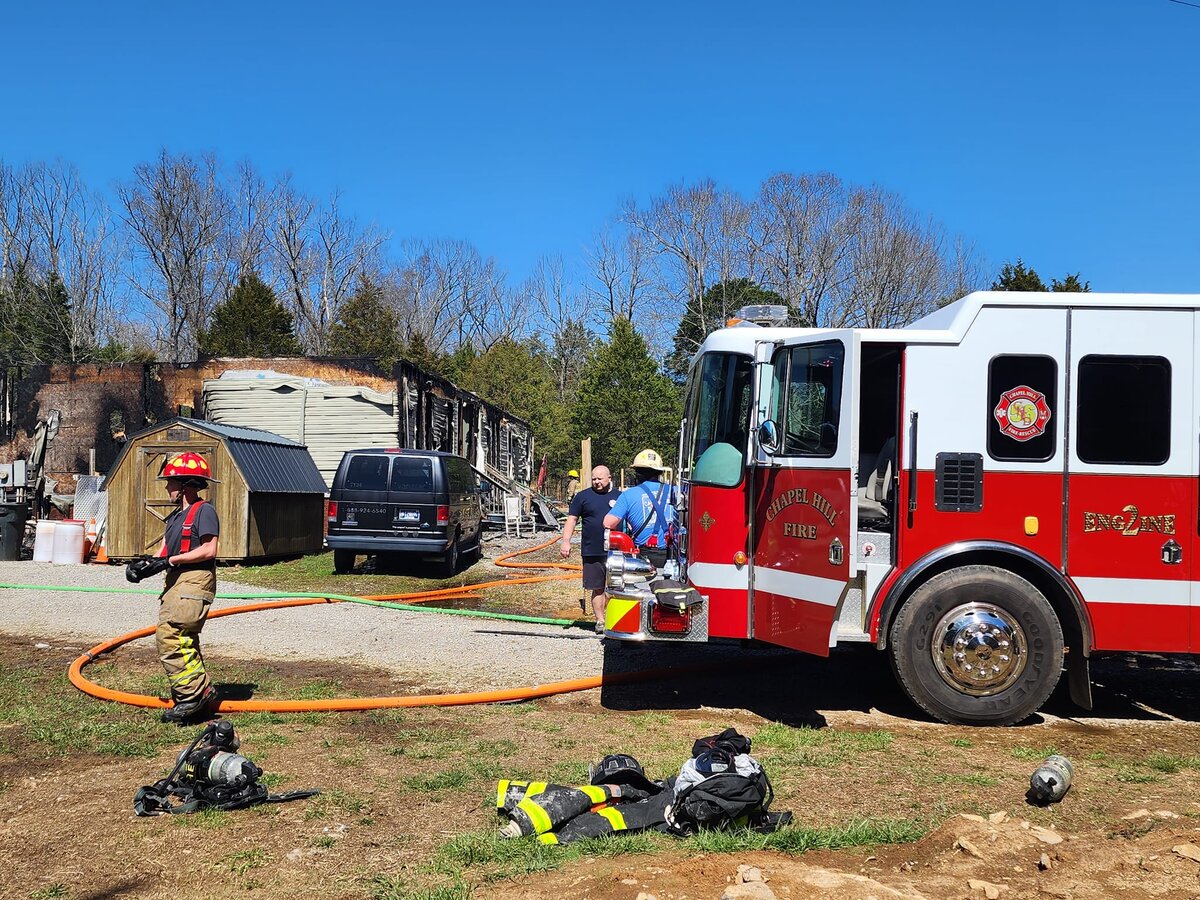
648, 459
573, 474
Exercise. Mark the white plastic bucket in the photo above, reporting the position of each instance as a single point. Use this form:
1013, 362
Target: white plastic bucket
68, 542
43, 541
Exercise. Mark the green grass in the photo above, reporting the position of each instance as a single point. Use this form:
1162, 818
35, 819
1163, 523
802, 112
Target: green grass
1132, 776
1031, 754
779, 745
243, 861
53, 892
385, 887
960, 742
1170, 764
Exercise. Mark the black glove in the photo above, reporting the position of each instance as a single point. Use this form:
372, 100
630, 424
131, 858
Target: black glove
145, 566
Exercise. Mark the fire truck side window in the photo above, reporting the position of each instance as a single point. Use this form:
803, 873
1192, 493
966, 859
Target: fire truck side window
808, 398
1124, 410
721, 415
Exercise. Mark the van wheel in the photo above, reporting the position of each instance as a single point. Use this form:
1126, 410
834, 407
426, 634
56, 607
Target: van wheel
977, 646
450, 561
343, 561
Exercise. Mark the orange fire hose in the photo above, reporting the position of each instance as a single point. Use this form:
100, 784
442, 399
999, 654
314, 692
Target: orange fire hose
75, 672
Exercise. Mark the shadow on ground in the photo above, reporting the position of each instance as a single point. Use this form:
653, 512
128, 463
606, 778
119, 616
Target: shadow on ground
798, 689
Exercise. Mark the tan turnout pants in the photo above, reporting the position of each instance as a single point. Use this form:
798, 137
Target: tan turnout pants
182, 611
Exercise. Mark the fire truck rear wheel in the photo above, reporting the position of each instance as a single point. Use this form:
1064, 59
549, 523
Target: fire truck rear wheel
977, 646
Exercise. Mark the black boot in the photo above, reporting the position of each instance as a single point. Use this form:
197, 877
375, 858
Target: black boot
190, 711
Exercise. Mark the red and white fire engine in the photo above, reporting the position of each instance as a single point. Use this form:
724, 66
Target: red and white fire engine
997, 491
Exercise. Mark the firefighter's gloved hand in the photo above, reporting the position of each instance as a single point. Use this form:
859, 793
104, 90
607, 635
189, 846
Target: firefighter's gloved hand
145, 567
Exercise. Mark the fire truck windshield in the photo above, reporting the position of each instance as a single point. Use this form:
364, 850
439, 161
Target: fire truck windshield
718, 408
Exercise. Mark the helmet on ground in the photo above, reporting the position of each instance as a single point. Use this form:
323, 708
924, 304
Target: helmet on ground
648, 459
188, 466
573, 473
621, 768
714, 762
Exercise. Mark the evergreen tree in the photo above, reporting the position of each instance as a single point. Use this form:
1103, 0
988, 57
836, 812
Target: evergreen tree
1016, 277
418, 352
367, 326
35, 320
707, 313
250, 322
625, 403
1071, 285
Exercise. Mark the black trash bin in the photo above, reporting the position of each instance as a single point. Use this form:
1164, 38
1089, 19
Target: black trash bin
13, 517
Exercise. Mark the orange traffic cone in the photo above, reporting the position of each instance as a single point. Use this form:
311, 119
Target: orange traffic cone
102, 546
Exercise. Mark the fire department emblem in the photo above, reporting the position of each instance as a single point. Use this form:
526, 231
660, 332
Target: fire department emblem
1022, 413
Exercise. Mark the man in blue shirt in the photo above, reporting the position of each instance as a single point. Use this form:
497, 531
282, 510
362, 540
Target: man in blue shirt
646, 509
589, 507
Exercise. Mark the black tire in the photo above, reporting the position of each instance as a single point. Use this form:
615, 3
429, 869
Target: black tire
343, 561
973, 677
449, 563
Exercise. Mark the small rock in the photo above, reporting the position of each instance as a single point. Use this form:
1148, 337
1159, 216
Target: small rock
971, 817
295, 855
1045, 835
1187, 851
997, 817
750, 890
41, 646
747, 874
991, 891
1044, 861
629, 881
1137, 814
644, 896
967, 847
1166, 814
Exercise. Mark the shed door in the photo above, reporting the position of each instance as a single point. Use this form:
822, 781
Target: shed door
156, 505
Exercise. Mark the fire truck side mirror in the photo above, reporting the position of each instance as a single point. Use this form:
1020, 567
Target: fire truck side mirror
768, 436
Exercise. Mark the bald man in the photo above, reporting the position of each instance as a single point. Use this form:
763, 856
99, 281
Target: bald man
589, 507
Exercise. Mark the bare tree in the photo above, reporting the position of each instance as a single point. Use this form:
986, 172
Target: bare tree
16, 235
178, 211
320, 253
562, 330
452, 295
619, 276
254, 210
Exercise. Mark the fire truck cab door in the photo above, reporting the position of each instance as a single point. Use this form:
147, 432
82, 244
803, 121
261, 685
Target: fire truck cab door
804, 523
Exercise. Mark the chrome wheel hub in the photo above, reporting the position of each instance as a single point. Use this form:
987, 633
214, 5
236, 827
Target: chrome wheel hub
979, 649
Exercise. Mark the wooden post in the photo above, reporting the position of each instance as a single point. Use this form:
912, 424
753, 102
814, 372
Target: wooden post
585, 453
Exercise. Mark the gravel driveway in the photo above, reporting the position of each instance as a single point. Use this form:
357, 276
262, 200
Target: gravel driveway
444, 652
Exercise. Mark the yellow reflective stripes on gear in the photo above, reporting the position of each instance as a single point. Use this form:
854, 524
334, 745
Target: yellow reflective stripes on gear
502, 790
548, 838
538, 817
614, 817
193, 665
595, 794
535, 788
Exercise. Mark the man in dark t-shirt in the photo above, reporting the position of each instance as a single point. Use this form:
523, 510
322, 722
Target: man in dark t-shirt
589, 507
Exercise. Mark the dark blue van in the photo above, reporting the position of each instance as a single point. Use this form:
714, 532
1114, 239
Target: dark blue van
417, 502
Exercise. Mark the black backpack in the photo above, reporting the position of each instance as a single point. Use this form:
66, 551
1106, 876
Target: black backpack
724, 799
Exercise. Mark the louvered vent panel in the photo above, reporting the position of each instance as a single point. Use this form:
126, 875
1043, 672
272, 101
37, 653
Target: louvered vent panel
959, 482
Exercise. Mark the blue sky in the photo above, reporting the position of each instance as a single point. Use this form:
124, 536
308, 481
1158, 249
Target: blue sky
1066, 133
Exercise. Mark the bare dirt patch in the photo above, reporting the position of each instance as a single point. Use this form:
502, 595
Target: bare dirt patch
406, 813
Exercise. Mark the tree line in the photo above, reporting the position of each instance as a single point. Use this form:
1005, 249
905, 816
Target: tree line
192, 257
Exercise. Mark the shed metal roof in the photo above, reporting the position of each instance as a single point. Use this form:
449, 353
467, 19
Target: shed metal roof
269, 463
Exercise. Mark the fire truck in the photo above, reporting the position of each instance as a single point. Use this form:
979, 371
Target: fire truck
990, 495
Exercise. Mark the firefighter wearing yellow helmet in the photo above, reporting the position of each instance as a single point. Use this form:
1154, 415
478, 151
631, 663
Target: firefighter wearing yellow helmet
646, 511
188, 555
574, 484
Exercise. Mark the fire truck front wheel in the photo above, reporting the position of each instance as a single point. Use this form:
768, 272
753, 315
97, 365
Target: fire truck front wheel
977, 646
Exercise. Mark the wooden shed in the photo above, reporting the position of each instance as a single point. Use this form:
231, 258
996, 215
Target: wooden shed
270, 499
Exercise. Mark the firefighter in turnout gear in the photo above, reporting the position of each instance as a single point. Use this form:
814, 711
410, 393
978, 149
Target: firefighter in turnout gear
188, 555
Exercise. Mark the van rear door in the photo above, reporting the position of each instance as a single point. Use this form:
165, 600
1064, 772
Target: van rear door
362, 500
416, 489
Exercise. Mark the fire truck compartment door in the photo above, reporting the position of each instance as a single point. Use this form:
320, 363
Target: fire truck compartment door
804, 524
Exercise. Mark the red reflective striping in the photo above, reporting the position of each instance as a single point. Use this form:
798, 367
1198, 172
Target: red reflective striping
631, 622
